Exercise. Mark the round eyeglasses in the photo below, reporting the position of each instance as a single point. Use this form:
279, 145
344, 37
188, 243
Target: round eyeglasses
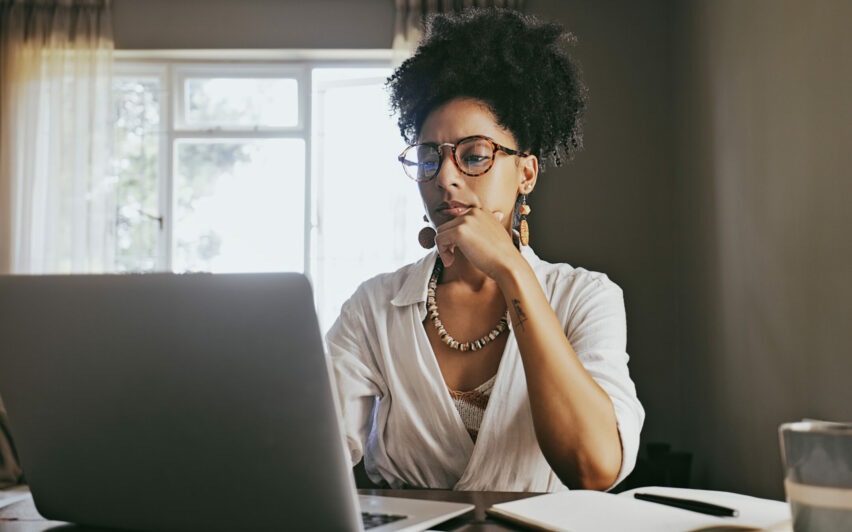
473, 156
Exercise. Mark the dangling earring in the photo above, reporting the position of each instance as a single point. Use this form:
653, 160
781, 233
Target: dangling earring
426, 236
524, 209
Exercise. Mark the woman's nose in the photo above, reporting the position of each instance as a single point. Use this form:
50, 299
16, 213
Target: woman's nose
448, 175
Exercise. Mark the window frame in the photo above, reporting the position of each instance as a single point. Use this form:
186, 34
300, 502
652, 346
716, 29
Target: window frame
171, 68
233, 70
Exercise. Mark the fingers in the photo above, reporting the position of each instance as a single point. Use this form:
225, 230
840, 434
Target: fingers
448, 234
452, 223
446, 247
446, 254
472, 212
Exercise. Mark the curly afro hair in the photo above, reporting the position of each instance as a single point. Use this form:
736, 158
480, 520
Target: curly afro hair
514, 63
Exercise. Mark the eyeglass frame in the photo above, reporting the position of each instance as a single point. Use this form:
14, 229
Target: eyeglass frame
495, 147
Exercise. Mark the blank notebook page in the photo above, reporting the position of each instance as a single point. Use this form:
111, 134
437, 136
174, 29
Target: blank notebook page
592, 511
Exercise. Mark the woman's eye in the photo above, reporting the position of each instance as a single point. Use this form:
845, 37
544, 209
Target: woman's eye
476, 159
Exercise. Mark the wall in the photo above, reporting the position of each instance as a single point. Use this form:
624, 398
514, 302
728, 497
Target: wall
714, 185
764, 174
189, 24
611, 208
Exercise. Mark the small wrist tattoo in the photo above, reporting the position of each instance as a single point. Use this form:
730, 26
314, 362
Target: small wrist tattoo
519, 312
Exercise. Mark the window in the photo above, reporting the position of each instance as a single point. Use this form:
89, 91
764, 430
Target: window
243, 167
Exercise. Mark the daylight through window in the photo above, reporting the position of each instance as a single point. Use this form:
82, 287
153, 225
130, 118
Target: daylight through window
274, 167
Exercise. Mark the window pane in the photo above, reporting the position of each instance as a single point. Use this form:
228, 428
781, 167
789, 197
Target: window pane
136, 161
239, 205
241, 102
369, 212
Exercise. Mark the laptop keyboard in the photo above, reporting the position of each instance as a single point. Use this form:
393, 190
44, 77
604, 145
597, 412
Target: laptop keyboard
374, 520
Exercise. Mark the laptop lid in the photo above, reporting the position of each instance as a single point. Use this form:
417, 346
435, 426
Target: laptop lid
182, 402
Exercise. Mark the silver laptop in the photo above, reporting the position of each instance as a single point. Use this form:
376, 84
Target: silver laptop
182, 402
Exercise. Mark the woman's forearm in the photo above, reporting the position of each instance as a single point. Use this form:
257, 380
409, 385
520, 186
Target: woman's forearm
573, 417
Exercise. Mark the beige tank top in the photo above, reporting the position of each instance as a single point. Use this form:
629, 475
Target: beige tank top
471, 405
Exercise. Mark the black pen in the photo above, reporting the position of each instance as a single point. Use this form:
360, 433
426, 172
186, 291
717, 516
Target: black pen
688, 504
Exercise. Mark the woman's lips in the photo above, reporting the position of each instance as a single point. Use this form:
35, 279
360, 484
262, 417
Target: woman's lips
455, 211
453, 208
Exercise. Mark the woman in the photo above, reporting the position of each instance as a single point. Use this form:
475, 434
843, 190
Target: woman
482, 367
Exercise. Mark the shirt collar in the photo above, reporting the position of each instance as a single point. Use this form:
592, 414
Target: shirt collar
413, 290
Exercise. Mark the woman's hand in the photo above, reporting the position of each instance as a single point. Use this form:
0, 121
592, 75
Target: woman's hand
481, 237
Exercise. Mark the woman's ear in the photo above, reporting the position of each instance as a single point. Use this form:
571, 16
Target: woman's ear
528, 174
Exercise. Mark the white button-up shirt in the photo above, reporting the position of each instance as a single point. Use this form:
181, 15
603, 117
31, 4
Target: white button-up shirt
397, 410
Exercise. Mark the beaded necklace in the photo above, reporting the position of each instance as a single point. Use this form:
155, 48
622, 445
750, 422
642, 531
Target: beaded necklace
432, 308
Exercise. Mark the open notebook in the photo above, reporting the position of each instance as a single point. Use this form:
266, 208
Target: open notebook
593, 511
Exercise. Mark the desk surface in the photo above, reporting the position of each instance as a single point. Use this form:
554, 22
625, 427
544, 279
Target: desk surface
23, 517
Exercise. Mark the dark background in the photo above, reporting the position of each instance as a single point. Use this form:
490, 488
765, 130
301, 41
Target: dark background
713, 188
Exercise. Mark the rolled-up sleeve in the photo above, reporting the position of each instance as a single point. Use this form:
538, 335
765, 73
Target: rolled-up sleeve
597, 330
358, 380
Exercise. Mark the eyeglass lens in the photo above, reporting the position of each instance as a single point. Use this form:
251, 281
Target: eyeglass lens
473, 157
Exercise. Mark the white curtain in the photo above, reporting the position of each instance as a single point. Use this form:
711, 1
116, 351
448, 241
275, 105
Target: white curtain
56, 194
410, 14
